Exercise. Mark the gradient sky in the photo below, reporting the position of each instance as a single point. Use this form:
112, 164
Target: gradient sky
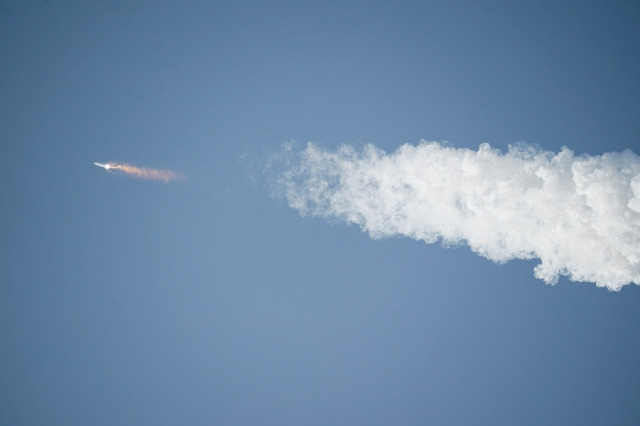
205, 301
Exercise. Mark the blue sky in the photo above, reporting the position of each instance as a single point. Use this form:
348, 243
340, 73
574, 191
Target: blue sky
207, 301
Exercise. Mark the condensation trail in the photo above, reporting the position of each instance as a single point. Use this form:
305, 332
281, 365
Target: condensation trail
144, 173
580, 215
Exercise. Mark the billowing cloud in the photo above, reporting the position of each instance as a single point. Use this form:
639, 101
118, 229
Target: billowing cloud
580, 215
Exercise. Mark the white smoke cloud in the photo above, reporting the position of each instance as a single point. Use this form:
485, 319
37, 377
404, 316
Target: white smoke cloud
580, 215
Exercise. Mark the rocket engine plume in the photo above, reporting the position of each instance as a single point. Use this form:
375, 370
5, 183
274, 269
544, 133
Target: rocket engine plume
141, 172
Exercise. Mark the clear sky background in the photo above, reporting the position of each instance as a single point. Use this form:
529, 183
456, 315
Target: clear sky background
205, 301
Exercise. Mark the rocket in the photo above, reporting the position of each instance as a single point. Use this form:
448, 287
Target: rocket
140, 172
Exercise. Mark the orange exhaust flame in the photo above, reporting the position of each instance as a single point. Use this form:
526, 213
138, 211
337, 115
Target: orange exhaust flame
145, 173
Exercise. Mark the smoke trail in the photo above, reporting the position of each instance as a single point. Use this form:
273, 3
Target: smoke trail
144, 173
580, 215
